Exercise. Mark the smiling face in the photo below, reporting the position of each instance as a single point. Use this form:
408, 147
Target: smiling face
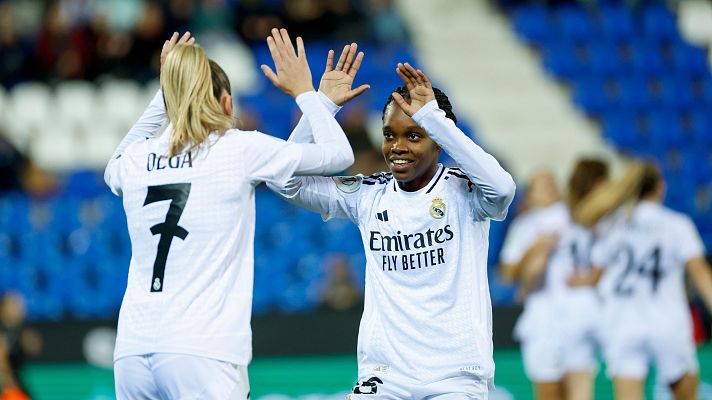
409, 152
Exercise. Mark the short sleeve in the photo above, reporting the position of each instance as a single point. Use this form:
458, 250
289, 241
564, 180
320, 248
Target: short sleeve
688, 242
269, 159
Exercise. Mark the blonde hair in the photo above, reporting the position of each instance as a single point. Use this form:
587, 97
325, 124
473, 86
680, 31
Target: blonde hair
188, 91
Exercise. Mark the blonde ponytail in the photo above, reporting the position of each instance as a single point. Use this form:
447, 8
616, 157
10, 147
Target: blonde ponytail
190, 104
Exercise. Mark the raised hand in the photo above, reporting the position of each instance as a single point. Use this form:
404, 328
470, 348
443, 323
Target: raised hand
419, 88
168, 45
293, 76
336, 82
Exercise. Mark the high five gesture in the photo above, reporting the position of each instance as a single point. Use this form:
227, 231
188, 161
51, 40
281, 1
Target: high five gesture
336, 82
293, 76
419, 88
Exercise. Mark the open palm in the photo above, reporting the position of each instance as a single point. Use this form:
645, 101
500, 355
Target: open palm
337, 82
420, 90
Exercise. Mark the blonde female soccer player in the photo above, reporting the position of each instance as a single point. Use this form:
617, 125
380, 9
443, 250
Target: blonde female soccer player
426, 329
646, 317
184, 326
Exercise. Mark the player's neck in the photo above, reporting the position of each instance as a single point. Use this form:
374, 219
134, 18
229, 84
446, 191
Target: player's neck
652, 198
420, 182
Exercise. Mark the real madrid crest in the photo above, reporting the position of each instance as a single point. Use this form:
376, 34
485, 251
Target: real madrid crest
437, 209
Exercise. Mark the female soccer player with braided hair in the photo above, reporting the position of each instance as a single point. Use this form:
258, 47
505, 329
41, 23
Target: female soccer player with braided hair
426, 330
184, 326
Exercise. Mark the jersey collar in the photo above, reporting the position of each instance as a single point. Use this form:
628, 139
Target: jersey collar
425, 189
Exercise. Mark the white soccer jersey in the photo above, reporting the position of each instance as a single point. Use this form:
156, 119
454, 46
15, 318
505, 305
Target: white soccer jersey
644, 261
191, 220
528, 227
427, 311
534, 326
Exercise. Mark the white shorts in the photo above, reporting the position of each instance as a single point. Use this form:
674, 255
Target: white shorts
542, 358
392, 386
629, 355
580, 318
537, 331
177, 376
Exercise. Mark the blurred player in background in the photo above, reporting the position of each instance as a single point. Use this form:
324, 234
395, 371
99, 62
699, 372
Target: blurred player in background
184, 326
646, 315
531, 238
18, 344
426, 329
595, 199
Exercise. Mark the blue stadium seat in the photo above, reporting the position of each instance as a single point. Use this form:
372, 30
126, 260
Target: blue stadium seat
65, 213
573, 23
84, 183
37, 246
341, 235
619, 128
634, 93
10, 247
563, 60
701, 128
14, 213
591, 95
501, 292
532, 23
647, 57
604, 59
617, 22
8, 273
690, 59
676, 93
41, 282
660, 23
88, 287
665, 129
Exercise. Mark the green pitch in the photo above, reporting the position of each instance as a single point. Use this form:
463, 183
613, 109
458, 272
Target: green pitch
308, 378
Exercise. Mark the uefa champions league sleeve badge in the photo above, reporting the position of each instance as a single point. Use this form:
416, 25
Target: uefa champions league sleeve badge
437, 209
348, 184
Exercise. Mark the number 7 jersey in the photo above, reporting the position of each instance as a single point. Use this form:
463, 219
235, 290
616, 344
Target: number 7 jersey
191, 220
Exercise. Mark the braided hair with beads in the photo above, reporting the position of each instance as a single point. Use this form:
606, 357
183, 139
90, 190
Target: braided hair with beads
440, 97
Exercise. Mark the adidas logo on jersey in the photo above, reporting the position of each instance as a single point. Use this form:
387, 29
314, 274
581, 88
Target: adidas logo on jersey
382, 216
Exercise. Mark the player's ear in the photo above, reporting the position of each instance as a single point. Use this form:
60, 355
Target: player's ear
226, 103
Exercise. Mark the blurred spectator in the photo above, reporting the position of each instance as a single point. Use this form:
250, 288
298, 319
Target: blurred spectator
15, 60
340, 293
369, 160
13, 165
149, 35
85, 39
17, 344
62, 50
385, 22
255, 18
212, 16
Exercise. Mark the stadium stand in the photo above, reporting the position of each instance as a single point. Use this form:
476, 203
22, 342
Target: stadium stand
630, 69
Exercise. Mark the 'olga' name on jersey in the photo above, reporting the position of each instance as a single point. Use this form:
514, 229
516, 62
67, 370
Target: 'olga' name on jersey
156, 162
